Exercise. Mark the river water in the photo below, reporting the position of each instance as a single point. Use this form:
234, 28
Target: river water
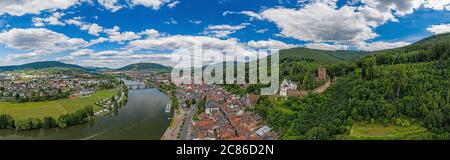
142, 118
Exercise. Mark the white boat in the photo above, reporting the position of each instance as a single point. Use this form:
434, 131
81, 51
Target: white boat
168, 107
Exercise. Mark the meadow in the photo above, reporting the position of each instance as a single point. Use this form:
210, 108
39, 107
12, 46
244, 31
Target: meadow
389, 132
54, 108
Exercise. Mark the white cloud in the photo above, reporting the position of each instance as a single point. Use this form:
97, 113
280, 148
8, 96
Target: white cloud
91, 28
173, 4
262, 31
82, 52
38, 42
320, 22
437, 4
22, 7
39, 39
376, 46
112, 5
116, 36
195, 21
269, 44
439, 29
223, 31
150, 33
325, 46
171, 21
251, 14
182, 46
154, 4
51, 20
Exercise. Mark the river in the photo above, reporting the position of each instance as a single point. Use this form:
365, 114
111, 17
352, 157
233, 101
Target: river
142, 118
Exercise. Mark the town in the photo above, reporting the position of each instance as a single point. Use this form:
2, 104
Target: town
22, 87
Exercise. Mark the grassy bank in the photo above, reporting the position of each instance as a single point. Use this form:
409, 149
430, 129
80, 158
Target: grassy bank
53, 108
390, 132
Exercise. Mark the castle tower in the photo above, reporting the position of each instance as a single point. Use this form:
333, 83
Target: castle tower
322, 74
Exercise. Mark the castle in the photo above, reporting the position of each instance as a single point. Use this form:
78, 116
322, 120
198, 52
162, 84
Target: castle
322, 74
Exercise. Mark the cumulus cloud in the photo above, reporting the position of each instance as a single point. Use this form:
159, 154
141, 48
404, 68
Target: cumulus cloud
116, 36
376, 46
22, 7
112, 5
437, 4
39, 39
54, 19
115, 5
325, 46
439, 29
223, 31
38, 42
91, 28
269, 44
154, 4
320, 22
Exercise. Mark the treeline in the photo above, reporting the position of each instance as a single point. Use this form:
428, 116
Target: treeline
427, 50
37, 98
171, 90
79, 117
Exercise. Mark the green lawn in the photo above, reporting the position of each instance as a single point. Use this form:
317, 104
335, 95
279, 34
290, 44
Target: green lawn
53, 108
390, 132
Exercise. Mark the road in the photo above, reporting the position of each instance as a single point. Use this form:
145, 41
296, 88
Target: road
188, 122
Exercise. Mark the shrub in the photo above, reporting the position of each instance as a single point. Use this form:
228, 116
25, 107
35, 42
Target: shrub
6, 121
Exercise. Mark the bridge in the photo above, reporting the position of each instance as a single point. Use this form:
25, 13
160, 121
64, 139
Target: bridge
137, 86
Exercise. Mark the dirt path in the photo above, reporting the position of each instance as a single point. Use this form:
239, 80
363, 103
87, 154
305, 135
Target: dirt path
323, 87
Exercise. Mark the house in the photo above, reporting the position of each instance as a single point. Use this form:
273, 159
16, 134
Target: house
263, 130
204, 130
285, 86
211, 106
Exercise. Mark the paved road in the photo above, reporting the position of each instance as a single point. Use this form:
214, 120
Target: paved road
188, 122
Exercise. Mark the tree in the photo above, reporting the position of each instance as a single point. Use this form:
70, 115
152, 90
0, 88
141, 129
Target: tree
400, 78
6, 121
317, 133
49, 122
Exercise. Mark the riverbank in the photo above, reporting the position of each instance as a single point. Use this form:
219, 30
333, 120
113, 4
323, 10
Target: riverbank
173, 131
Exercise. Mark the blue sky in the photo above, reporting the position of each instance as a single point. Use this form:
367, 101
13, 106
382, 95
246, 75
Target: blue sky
114, 33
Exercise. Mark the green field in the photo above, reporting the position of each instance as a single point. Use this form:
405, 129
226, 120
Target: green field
390, 132
53, 108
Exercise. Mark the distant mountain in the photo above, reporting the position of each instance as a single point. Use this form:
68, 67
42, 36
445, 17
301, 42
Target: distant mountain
41, 65
149, 67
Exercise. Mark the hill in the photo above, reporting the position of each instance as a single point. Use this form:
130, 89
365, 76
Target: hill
399, 93
148, 67
41, 65
321, 56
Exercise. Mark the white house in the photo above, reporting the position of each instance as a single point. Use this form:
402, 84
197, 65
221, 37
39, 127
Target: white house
287, 85
211, 106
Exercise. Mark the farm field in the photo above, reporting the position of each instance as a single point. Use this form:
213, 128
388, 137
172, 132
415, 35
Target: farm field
53, 108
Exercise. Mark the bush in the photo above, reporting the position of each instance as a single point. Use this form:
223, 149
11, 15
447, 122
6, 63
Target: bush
6, 121
27, 124
49, 122
317, 133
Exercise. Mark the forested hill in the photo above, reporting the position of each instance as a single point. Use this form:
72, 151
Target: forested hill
150, 67
320, 56
405, 88
41, 65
